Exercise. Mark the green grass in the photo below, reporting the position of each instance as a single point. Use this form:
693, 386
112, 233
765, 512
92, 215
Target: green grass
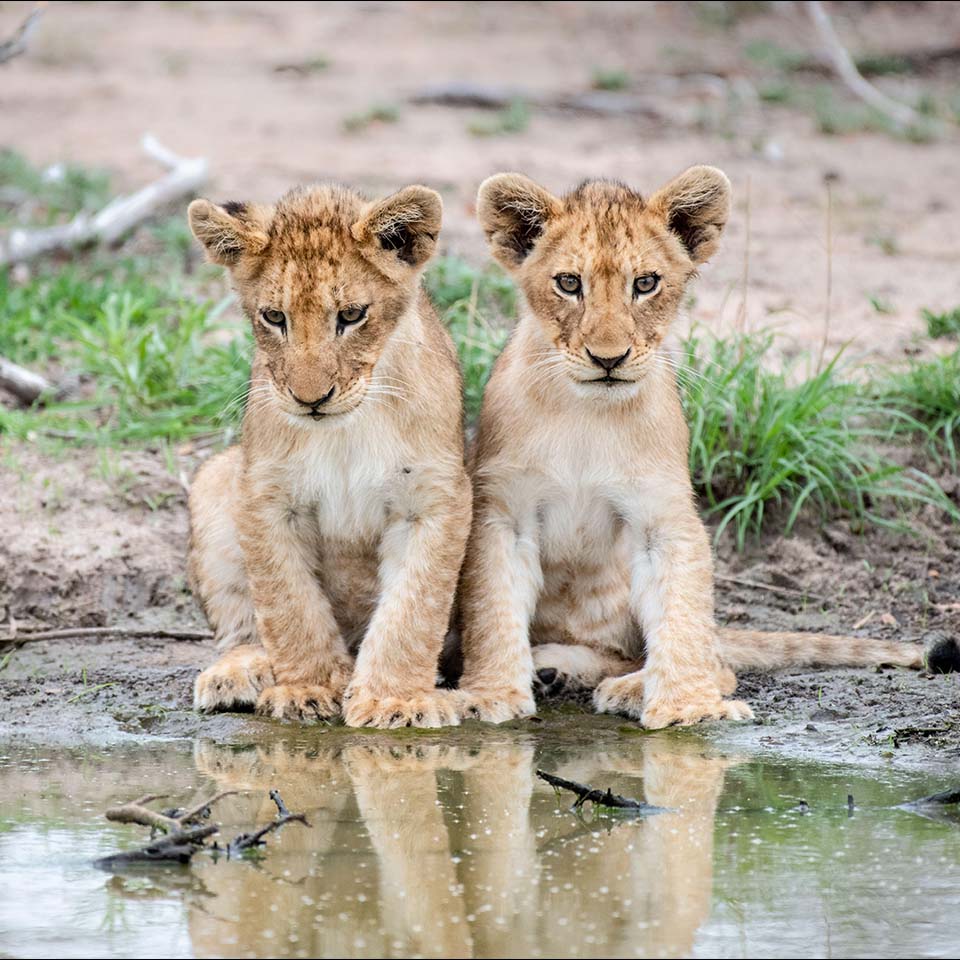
767, 447
378, 113
477, 307
143, 351
943, 324
610, 78
514, 118
928, 394
880, 303
50, 195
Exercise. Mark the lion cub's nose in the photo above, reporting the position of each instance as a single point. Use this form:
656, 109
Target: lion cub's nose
608, 363
314, 403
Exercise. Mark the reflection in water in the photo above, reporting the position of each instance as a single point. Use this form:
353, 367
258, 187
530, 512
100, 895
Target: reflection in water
448, 845
447, 851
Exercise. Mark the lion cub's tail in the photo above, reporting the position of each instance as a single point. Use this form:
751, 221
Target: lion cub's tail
746, 649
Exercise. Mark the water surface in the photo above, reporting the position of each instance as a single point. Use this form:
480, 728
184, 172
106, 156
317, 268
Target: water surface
449, 846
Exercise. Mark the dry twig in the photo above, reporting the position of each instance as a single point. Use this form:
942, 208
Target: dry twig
902, 116
22, 636
17, 44
769, 587
119, 216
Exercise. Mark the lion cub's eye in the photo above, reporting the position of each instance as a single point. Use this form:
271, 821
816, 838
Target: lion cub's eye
568, 282
646, 284
349, 316
276, 318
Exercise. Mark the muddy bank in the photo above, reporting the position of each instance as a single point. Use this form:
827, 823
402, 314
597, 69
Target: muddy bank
94, 542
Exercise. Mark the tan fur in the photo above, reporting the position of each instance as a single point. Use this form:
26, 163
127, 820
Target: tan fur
327, 545
586, 544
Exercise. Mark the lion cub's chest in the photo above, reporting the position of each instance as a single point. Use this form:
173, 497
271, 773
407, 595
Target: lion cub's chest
579, 525
348, 488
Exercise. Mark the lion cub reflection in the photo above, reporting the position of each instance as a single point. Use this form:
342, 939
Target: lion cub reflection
469, 854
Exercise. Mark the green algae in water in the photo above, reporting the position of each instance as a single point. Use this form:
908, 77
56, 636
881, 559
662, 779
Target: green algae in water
448, 845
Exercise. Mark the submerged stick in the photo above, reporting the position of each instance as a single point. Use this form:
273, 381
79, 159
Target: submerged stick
601, 798
945, 798
248, 841
178, 848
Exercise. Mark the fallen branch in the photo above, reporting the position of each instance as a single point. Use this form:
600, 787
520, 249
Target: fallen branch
22, 636
769, 587
596, 102
901, 115
119, 216
17, 44
601, 798
24, 384
183, 831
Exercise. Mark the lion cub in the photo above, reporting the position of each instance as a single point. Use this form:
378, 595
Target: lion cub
587, 549
588, 564
325, 547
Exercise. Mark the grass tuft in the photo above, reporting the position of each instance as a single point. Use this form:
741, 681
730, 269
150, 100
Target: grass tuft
766, 447
944, 324
46, 196
377, 114
610, 78
144, 355
928, 394
514, 118
477, 307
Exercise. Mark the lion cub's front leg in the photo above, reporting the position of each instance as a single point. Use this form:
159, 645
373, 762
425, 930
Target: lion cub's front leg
672, 600
501, 580
394, 681
295, 622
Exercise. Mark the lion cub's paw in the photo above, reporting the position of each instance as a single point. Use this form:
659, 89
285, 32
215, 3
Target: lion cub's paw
235, 681
495, 706
434, 708
620, 695
303, 702
664, 713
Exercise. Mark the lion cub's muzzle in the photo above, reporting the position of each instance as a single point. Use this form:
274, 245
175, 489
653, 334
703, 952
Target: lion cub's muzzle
313, 408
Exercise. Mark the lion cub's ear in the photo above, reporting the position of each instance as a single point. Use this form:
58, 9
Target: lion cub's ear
228, 232
513, 211
399, 233
696, 207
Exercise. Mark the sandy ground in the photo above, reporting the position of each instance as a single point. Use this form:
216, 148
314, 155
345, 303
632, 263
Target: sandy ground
92, 539
203, 77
